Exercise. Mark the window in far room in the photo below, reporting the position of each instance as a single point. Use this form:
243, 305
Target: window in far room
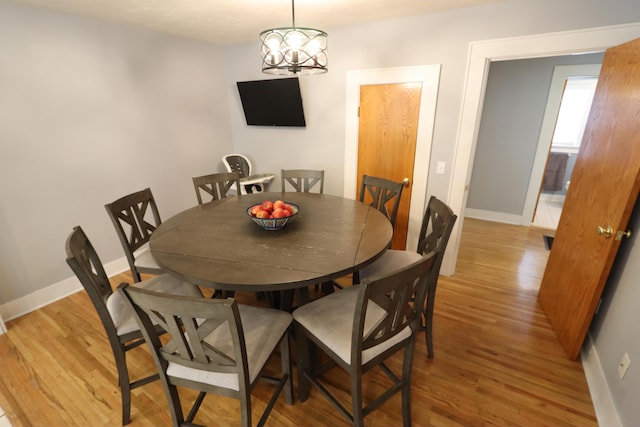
573, 114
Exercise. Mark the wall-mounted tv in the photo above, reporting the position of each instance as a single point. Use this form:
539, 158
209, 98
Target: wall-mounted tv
275, 102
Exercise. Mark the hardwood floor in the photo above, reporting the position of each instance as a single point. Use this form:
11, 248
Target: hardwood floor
497, 361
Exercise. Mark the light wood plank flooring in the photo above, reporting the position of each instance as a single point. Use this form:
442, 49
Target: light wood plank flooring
497, 361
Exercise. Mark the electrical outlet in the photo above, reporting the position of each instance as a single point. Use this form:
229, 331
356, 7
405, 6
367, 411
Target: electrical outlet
440, 168
623, 366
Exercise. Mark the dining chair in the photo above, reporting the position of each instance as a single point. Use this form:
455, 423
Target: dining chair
135, 216
359, 328
216, 185
437, 224
379, 193
302, 180
249, 183
213, 346
116, 317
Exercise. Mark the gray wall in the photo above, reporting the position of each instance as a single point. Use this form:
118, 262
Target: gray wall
89, 112
514, 105
615, 329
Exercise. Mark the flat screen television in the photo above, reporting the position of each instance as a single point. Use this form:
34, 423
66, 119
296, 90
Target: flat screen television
275, 102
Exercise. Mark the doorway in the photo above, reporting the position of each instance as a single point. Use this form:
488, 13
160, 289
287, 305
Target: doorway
429, 77
480, 55
568, 104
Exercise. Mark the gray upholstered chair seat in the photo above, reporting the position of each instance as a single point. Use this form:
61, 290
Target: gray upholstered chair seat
330, 319
391, 260
263, 328
121, 313
144, 259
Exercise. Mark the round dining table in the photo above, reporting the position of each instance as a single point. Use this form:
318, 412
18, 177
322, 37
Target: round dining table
218, 245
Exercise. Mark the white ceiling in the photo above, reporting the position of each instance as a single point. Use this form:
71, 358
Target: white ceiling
228, 22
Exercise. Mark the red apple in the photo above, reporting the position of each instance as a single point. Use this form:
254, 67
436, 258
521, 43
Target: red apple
278, 204
262, 214
279, 213
288, 208
255, 209
267, 205
286, 213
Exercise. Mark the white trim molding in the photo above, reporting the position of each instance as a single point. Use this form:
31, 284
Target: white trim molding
493, 216
606, 411
40, 298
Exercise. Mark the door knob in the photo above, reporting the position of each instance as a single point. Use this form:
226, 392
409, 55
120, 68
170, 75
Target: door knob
405, 182
620, 234
606, 232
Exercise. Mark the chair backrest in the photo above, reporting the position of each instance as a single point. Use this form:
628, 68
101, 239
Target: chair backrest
85, 263
134, 216
436, 228
394, 294
380, 193
188, 321
216, 185
238, 163
302, 180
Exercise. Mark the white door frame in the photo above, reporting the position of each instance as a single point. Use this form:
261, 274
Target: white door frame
429, 75
3, 327
480, 55
560, 74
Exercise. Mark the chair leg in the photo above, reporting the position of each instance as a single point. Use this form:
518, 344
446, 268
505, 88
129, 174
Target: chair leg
125, 394
124, 383
175, 407
428, 328
245, 409
285, 363
356, 399
407, 366
303, 364
135, 275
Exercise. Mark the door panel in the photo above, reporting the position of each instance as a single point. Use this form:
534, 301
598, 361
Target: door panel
387, 132
603, 191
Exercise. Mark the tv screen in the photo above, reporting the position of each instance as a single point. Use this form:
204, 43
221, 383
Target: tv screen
274, 102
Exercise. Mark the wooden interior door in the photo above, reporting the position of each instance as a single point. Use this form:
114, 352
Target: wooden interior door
604, 188
387, 131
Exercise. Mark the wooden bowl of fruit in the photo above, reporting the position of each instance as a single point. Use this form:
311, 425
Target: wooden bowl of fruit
273, 215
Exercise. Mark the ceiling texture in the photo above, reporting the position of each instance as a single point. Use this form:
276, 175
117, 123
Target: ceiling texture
229, 22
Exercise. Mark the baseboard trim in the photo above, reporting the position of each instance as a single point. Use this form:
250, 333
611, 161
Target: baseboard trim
40, 298
493, 216
598, 387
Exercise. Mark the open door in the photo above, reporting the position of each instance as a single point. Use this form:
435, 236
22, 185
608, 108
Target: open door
604, 188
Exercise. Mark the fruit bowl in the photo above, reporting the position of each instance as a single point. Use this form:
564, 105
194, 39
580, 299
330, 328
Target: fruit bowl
269, 222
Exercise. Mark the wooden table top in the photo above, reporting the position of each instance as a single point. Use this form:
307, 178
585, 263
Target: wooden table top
218, 245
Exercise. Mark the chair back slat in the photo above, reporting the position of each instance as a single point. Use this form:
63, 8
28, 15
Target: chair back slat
302, 180
216, 185
383, 194
188, 322
436, 228
85, 263
394, 294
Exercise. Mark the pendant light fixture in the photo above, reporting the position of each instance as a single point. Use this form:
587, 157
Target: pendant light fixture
294, 50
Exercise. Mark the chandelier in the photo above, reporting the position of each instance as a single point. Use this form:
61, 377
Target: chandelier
294, 50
